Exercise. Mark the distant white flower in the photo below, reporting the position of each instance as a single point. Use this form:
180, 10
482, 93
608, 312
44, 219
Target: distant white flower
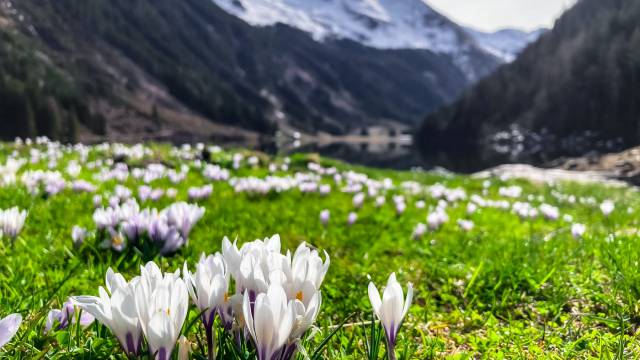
73, 169
200, 193
436, 219
358, 200
78, 234
550, 212
465, 225
471, 208
172, 193
420, 204
607, 207
253, 161
12, 221
97, 201
325, 189
524, 210
419, 231
183, 217
351, 218
578, 230
510, 191
324, 217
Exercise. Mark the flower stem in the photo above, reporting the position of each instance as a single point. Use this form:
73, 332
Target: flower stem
211, 343
391, 351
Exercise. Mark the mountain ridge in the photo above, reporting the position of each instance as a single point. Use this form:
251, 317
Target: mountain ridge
505, 43
575, 88
141, 65
381, 24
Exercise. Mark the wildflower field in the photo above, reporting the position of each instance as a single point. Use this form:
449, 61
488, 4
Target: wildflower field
150, 251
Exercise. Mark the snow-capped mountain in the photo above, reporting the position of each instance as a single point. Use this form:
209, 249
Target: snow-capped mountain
383, 24
505, 44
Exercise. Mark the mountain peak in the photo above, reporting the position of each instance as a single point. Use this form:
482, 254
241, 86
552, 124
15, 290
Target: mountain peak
506, 44
382, 24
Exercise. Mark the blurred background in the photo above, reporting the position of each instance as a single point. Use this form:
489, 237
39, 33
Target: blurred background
459, 84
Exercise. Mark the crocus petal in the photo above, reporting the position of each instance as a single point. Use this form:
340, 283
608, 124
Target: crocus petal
9, 327
374, 298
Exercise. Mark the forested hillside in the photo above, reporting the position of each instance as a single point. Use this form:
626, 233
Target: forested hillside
581, 78
35, 97
143, 65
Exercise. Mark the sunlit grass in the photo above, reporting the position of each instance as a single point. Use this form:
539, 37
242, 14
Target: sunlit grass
509, 288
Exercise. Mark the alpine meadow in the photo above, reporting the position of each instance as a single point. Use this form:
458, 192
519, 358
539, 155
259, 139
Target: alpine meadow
319, 179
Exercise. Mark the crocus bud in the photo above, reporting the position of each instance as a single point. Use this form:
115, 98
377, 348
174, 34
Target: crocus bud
324, 217
78, 235
97, 201
351, 218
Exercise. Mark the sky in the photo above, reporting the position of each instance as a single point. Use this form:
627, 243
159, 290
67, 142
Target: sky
491, 15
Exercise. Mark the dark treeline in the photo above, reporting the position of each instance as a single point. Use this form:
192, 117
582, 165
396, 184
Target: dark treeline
35, 98
583, 75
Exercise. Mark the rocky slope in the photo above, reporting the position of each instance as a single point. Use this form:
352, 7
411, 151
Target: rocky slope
190, 70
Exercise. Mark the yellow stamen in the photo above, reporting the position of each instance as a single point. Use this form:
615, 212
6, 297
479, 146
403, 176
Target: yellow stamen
117, 240
299, 296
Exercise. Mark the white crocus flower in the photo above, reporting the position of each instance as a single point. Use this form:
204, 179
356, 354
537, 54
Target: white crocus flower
352, 218
306, 265
9, 327
358, 200
419, 231
78, 234
117, 312
324, 217
578, 230
208, 287
161, 301
306, 309
465, 225
231, 255
270, 321
12, 221
183, 217
607, 207
391, 308
306, 312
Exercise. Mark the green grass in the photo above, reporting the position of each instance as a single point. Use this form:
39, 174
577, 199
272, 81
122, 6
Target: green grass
507, 289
